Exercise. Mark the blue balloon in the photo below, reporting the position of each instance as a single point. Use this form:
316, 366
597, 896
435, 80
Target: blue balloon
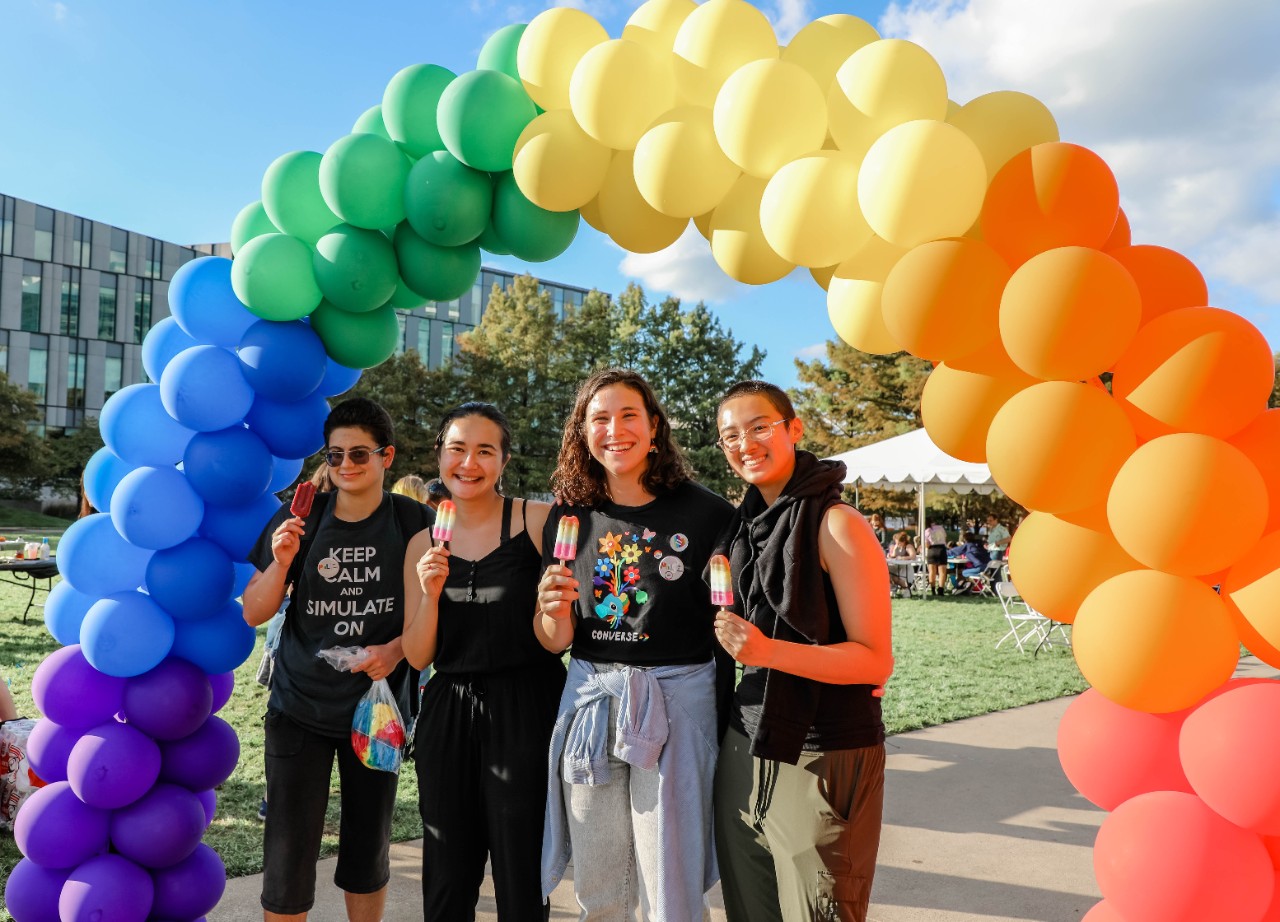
126, 634
64, 612
204, 304
235, 529
163, 341
244, 573
138, 429
291, 430
204, 389
284, 361
230, 466
102, 473
191, 580
338, 379
284, 472
218, 643
155, 507
96, 561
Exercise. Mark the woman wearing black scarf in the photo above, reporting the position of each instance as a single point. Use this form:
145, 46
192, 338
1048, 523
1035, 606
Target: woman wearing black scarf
800, 782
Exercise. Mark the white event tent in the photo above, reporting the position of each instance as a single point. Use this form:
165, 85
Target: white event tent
912, 462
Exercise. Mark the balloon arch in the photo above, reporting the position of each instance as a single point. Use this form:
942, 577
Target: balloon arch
969, 235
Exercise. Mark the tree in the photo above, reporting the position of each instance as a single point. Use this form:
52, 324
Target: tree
415, 397
67, 454
22, 451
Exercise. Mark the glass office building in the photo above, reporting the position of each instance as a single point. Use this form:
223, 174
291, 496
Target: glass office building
77, 297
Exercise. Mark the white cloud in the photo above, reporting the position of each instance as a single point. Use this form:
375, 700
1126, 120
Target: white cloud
809, 353
685, 269
789, 18
1181, 99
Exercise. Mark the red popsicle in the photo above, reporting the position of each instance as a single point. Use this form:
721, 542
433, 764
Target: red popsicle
302, 497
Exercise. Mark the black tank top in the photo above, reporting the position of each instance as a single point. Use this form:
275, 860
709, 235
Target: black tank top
487, 608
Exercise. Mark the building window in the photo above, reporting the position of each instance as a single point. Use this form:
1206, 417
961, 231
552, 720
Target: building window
113, 370
6, 225
4, 351
81, 242
446, 342
76, 358
31, 272
44, 233
155, 259
424, 342
455, 308
107, 306
38, 367
403, 321
69, 314
119, 254
142, 310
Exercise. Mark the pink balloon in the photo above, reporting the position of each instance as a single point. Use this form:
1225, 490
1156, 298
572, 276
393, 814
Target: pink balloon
1166, 857
1103, 912
1230, 753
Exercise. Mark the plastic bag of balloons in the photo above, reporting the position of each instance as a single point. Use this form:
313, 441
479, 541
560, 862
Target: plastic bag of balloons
377, 729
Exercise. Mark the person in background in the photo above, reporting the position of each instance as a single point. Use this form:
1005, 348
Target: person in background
800, 783
413, 486
900, 553
437, 492
998, 538
935, 556
974, 553
877, 528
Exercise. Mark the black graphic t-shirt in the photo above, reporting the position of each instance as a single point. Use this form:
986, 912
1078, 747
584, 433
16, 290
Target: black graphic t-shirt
641, 599
350, 594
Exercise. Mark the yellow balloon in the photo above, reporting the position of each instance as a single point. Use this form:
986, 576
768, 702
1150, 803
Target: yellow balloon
632, 222
738, 243
557, 166
549, 50
810, 213
922, 181
703, 223
1004, 124
854, 297
881, 85
873, 260
618, 89
826, 43
769, 113
655, 23
591, 214
680, 169
715, 40
822, 275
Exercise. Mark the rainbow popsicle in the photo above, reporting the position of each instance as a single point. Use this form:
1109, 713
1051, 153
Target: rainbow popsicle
302, 498
566, 539
721, 582
442, 530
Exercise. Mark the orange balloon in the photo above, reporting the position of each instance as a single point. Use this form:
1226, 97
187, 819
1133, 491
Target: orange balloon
1187, 504
1153, 641
942, 299
958, 406
1166, 279
1121, 234
1251, 591
1068, 314
1199, 369
1055, 563
1260, 442
1053, 195
1056, 446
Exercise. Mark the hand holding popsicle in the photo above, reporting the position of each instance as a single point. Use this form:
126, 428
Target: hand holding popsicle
721, 582
566, 548
446, 514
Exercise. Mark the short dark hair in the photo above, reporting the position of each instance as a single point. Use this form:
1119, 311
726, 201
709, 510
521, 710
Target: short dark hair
361, 413
770, 392
476, 408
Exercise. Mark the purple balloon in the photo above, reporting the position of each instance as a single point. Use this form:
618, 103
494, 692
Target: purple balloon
113, 765
107, 888
69, 691
161, 829
209, 803
48, 748
169, 702
56, 829
218, 643
64, 612
32, 891
202, 760
222, 684
191, 887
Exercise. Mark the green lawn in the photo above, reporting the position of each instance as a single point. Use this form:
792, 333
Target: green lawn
947, 668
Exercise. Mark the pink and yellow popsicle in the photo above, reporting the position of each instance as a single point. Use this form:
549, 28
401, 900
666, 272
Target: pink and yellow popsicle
721, 582
566, 539
446, 513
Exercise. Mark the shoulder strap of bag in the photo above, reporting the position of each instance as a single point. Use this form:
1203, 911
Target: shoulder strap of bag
310, 527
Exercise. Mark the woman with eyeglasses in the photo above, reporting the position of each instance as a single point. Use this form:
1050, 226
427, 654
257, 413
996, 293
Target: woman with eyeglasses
800, 783
634, 747
345, 562
487, 713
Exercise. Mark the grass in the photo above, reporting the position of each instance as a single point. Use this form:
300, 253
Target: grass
947, 669
13, 518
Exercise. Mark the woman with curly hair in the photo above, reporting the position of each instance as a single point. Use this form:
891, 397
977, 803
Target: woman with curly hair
634, 747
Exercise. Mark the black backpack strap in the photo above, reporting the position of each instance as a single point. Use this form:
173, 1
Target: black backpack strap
411, 516
311, 524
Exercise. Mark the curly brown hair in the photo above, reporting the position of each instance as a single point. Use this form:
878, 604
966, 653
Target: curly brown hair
580, 480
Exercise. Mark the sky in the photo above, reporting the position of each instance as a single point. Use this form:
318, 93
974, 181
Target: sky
161, 117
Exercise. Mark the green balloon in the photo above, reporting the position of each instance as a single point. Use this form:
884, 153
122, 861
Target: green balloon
370, 122
362, 179
272, 276
532, 233
357, 340
409, 107
490, 242
481, 115
445, 201
252, 221
355, 268
436, 273
405, 298
292, 199
499, 52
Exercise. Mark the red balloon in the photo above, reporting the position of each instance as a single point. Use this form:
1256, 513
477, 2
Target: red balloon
1102, 912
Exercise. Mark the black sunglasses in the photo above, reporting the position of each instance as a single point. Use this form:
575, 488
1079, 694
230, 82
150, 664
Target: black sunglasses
333, 457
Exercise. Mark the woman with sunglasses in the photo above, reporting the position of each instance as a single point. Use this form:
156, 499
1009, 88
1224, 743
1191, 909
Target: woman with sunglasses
634, 747
487, 713
800, 783
345, 562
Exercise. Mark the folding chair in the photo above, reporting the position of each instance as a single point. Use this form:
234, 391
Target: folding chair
986, 581
1025, 623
